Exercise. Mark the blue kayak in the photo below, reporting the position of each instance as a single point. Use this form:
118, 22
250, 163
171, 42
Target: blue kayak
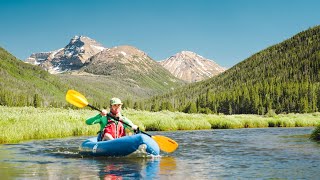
124, 146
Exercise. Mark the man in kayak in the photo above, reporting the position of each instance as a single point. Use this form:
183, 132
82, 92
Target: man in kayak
111, 126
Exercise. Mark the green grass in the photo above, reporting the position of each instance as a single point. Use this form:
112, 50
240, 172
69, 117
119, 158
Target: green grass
25, 123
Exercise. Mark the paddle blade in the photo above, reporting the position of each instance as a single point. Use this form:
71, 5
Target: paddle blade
165, 144
77, 99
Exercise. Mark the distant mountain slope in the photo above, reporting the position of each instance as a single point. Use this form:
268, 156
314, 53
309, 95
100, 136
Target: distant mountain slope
191, 67
284, 78
130, 65
71, 57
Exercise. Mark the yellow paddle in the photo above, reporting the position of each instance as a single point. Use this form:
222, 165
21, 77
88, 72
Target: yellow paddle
165, 144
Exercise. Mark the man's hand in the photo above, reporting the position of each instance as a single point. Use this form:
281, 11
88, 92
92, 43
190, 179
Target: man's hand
134, 127
103, 112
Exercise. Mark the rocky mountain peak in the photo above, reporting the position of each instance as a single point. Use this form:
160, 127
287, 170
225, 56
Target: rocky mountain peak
71, 57
191, 67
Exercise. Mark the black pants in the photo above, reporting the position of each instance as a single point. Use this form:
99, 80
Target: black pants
99, 137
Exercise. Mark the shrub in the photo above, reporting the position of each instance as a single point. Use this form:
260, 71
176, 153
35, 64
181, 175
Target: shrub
315, 135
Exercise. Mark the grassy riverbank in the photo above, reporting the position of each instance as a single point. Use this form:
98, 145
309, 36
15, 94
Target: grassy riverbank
25, 123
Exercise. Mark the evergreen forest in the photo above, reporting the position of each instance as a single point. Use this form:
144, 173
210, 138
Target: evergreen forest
283, 78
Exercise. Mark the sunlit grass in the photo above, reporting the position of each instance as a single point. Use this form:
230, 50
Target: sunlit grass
25, 123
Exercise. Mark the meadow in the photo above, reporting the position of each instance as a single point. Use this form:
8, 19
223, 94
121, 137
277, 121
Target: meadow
27, 123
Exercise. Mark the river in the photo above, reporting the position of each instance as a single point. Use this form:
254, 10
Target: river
262, 153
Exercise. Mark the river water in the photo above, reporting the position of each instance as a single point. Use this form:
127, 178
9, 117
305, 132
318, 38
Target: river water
276, 153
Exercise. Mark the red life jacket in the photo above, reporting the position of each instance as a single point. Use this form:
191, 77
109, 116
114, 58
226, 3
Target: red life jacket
114, 128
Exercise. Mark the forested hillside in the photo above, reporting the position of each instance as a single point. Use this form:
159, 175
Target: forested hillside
283, 78
27, 85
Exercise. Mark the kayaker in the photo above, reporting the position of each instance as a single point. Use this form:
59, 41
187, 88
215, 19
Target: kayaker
111, 126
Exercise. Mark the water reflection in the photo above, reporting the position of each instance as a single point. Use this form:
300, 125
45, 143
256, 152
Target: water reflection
133, 168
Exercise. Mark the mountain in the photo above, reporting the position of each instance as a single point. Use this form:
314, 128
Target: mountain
283, 78
191, 67
131, 66
102, 73
71, 57
23, 84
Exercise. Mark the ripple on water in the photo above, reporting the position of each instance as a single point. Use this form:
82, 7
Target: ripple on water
270, 153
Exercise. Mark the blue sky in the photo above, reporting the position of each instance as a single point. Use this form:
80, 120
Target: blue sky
225, 31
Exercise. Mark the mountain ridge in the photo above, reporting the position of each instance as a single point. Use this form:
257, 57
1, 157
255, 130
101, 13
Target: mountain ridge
132, 65
80, 49
191, 67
